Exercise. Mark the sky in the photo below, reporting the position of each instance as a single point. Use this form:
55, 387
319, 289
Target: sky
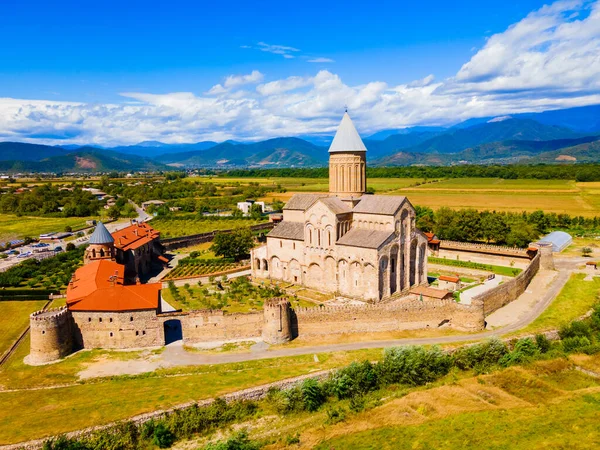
122, 72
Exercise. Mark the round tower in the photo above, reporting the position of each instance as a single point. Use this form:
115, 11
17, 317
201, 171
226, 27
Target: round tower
51, 335
277, 328
347, 162
102, 245
545, 252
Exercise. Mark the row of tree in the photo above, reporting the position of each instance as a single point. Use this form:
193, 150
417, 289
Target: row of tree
50, 200
513, 229
579, 172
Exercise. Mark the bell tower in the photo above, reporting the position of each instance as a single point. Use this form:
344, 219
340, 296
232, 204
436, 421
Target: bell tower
347, 162
102, 245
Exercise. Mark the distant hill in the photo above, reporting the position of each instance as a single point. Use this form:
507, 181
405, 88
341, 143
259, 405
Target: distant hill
503, 152
85, 159
152, 149
582, 153
278, 152
12, 151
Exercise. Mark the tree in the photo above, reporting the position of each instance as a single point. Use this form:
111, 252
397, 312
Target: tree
494, 228
70, 246
586, 251
278, 205
68, 229
236, 244
114, 212
256, 211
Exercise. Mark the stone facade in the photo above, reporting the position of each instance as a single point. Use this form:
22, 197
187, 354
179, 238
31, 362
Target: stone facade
127, 329
206, 326
348, 173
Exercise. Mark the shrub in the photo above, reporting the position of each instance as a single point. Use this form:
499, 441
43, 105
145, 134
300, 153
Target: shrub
577, 328
542, 343
312, 394
162, 436
357, 403
524, 349
335, 415
413, 365
355, 379
480, 356
575, 342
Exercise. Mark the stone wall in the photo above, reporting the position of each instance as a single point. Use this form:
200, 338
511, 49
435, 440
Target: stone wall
129, 329
484, 248
207, 326
402, 315
508, 291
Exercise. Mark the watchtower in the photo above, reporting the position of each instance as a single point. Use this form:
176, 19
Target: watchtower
51, 334
546, 256
277, 328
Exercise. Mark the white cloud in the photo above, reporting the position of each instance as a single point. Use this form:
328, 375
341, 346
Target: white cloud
283, 50
548, 60
321, 60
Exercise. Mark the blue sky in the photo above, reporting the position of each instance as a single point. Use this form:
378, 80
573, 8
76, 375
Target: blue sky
121, 72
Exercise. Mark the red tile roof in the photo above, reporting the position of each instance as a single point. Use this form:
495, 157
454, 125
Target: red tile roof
99, 286
451, 278
134, 236
430, 292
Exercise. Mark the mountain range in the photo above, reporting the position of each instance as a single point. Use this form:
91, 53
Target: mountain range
569, 135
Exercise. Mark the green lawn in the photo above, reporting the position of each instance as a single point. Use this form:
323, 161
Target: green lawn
499, 270
13, 227
576, 298
14, 318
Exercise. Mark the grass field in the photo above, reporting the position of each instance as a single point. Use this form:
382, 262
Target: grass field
576, 298
14, 318
13, 227
558, 196
51, 411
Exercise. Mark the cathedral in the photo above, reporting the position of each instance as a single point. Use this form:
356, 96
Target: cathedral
346, 242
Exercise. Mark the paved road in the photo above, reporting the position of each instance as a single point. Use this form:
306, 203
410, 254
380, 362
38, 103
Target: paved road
175, 355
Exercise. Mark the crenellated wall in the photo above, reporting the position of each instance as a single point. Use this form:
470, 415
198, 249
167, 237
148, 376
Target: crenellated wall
208, 325
402, 315
508, 291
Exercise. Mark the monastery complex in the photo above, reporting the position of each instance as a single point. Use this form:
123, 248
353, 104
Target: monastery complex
349, 243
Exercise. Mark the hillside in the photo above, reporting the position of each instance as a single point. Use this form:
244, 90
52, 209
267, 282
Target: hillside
86, 159
582, 153
12, 151
282, 152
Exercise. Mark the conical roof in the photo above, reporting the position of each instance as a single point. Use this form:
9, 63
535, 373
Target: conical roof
101, 235
347, 138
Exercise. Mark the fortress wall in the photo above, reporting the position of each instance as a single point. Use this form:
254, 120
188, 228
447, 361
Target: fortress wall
405, 315
508, 291
484, 248
129, 329
206, 326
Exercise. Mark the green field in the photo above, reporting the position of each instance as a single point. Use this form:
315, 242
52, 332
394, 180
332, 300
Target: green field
576, 298
50, 411
14, 318
14, 227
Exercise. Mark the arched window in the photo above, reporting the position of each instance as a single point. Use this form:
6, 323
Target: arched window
101, 253
310, 236
319, 237
329, 237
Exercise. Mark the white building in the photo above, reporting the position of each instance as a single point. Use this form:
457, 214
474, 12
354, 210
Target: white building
246, 206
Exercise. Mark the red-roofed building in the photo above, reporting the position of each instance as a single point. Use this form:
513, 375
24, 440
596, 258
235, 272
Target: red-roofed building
137, 247
433, 242
449, 282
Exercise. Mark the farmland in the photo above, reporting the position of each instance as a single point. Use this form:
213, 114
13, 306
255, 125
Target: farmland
14, 318
14, 227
